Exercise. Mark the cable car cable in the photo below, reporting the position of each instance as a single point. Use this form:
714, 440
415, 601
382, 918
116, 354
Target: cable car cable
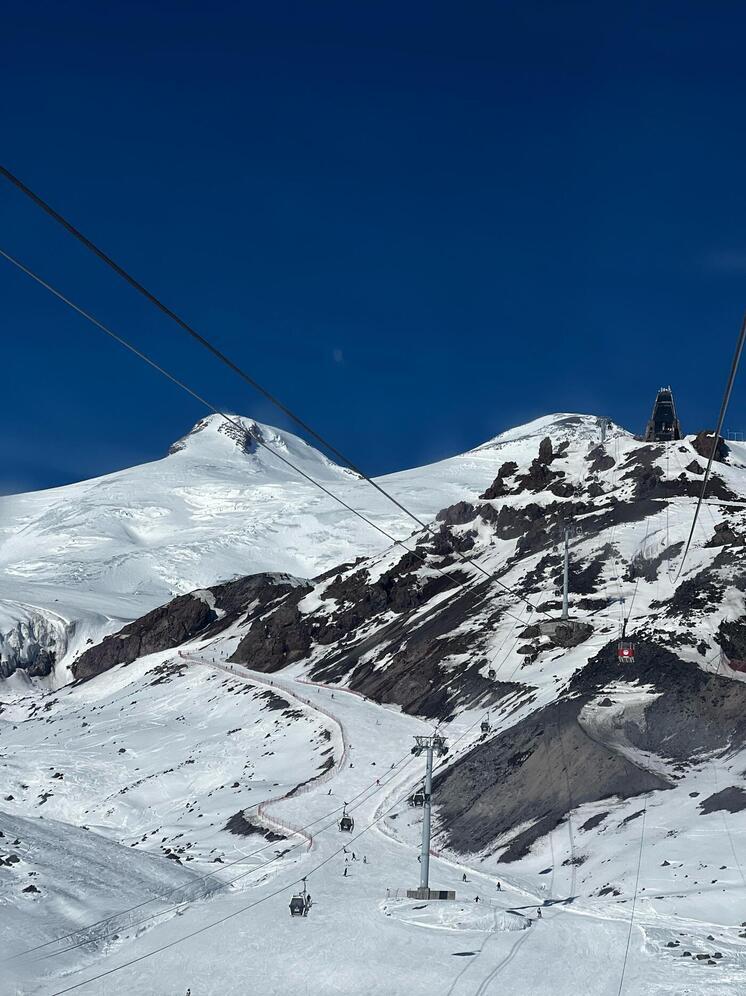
716, 437
186, 327
217, 411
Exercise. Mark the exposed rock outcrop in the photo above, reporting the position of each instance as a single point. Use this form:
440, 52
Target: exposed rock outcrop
458, 514
600, 460
498, 486
203, 612
703, 441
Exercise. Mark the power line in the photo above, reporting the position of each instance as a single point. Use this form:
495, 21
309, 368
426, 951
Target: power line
716, 437
217, 411
207, 344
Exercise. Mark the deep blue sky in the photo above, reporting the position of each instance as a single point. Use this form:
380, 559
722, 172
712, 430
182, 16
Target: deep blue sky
418, 223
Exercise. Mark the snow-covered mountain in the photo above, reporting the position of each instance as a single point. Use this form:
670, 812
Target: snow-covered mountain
78, 561
585, 786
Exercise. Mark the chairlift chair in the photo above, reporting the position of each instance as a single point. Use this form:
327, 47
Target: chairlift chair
417, 799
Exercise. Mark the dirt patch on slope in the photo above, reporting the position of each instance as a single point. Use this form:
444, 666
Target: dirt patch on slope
534, 773
731, 800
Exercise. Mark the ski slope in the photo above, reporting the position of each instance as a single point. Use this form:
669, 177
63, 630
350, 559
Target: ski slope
361, 936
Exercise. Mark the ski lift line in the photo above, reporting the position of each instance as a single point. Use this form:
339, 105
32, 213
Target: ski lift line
376, 820
183, 904
229, 916
570, 834
199, 879
628, 613
207, 344
716, 435
217, 411
634, 898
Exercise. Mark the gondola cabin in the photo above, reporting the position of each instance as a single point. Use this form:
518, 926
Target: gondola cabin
626, 652
491, 674
485, 726
417, 799
346, 824
298, 906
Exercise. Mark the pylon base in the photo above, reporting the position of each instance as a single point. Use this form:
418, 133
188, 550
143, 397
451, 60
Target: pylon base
430, 894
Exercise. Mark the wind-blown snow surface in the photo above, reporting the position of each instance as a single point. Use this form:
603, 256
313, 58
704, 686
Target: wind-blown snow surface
79, 561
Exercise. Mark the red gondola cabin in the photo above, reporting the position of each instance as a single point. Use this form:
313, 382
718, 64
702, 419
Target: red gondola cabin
626, 652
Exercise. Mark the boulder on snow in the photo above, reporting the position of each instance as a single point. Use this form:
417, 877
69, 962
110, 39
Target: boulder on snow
724, 536
546, 454
729, 800
702, 444
599, 459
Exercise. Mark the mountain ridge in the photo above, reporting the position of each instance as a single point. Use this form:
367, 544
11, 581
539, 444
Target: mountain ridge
104, 551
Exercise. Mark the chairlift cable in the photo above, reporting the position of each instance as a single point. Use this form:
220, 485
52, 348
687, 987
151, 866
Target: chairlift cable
217, 411
183, 904
186, 886
249, 906
207, 344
